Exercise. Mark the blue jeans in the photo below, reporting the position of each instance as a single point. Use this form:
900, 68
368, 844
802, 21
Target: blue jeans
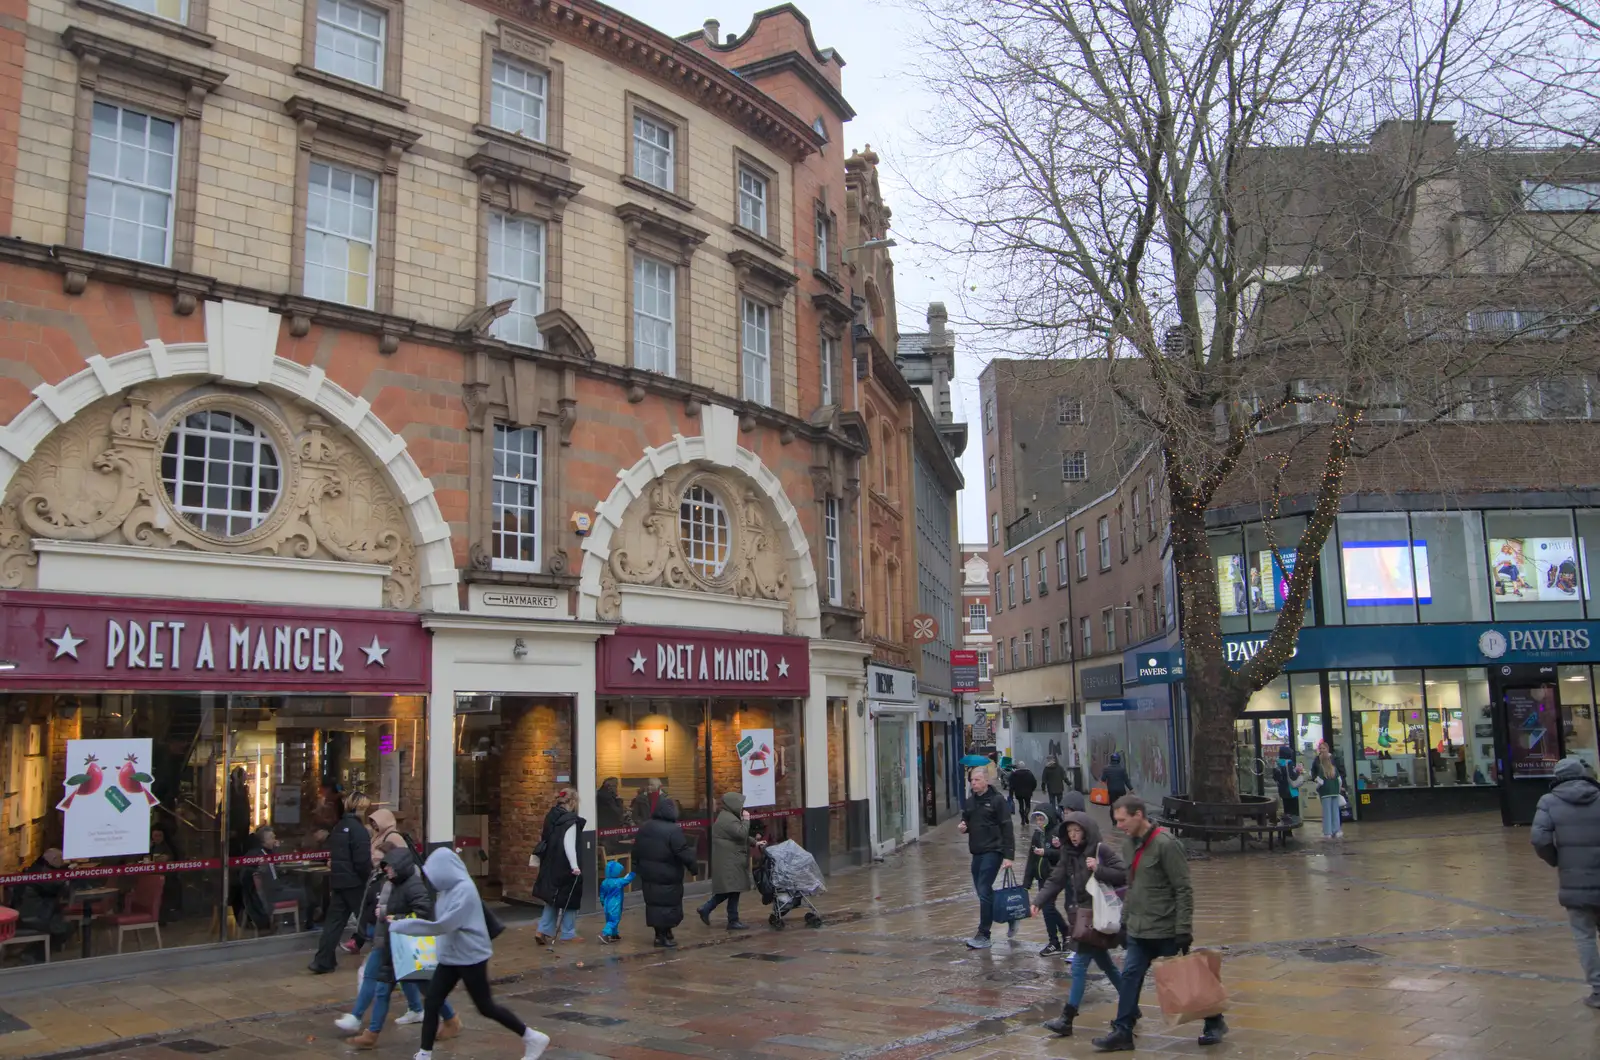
1085, 956
1135, 963
1330, 815
569, 922
985, 867
376, 993
731, 897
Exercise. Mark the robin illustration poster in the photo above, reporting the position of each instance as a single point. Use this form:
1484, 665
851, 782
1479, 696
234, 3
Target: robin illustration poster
758, 766
106, 799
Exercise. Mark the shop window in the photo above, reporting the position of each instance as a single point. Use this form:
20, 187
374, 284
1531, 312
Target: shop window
1533, 565
1588, 522
221, 472
1305, 695
1458, 583
1577, 715
1386, 571
1274, 697
704, 531
515, 527
1390, 727
1460, 731
655, 749
1233, 593
1267, 574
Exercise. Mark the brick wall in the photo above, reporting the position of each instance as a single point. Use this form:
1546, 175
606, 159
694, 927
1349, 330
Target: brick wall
527, 785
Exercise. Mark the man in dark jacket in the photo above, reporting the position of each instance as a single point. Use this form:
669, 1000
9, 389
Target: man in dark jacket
986, 822
1116, 778
1566, 833
349, 870
1157, 915
1054, 781
1023, 785
661, 853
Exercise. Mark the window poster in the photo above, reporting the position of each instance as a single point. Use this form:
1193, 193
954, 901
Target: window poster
758, 767
106, 800
1269, 579
1232, 591
1533, 569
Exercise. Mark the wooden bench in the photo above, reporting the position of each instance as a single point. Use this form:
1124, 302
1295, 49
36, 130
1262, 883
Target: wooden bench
1208, 821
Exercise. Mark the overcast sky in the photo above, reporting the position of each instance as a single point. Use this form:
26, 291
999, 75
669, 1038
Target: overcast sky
873, 37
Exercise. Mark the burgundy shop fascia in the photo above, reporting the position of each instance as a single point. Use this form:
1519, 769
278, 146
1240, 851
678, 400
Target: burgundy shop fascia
237, 715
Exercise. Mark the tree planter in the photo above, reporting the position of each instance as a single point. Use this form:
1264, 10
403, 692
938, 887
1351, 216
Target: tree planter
1252, 816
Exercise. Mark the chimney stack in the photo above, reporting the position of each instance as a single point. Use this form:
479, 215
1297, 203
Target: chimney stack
712, 28
936, 321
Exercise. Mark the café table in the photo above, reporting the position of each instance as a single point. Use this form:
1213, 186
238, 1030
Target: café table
86, 897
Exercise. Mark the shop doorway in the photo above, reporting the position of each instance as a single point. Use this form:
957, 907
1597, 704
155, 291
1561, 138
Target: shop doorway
1529, 740
1256, 741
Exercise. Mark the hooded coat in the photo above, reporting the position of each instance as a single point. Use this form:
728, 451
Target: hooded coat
457, 924
385, 834
1054, 778
661, 852
1023, 784
405, 895
1073, 802
1071, 875
611, 891
1116, 778
557, 884
1566, 834
730, 848
1045, 827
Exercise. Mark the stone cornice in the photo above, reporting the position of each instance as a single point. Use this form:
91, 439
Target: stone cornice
632, 44
187, 290
87, 44
795, 63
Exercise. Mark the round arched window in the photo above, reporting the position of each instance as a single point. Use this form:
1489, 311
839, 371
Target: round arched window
703, 531
221, 472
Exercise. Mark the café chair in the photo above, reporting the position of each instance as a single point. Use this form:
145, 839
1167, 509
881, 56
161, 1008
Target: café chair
144, 909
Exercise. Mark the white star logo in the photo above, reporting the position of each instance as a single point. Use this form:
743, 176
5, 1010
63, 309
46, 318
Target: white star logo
66, 644
375, 652
638, 661
783, 667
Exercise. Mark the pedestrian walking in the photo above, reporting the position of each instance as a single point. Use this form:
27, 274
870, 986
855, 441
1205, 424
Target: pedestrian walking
386, 834
1327, 773
1054, 781
462, 943
1115, 777
611, 895
661, 853
1023, 785
560, 875
1083, 855
1286, 772
404, 893
1044, 852
986, 822
1566, 833
730, 861
1073, 802
1157, 917
349, 870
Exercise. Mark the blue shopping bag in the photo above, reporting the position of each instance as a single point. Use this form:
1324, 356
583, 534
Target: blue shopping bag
1010, 900
414, 956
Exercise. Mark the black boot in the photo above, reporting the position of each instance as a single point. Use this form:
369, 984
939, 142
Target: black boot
1062, 1024
1214, 1031
1118, 1041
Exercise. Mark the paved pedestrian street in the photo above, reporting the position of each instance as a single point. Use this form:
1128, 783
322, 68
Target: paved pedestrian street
1408, 941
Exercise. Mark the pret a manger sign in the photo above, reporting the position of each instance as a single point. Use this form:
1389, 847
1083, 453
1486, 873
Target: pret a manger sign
69, 640
686, 662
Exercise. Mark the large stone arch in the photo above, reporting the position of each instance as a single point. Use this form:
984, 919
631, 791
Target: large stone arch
716, 445
241, 350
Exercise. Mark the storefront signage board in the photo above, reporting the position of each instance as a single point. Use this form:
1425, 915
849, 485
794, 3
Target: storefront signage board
652, 660
1408, 647
1101, 681
963, 671
1107, 705
886, 685
1160, 667
70, 640
758, 767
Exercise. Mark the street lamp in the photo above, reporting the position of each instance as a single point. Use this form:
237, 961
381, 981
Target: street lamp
871, 244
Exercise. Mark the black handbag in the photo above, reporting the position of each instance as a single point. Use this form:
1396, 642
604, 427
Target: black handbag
491, 923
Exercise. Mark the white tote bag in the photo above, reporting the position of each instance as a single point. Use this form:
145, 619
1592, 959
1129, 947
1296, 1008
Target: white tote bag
1107, 907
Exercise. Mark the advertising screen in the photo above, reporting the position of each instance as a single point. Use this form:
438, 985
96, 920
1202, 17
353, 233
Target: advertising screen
1379, 573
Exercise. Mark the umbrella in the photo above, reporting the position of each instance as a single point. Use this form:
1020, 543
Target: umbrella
974, 760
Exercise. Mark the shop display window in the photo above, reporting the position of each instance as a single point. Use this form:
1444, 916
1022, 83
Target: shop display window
655, 749
1390, 727
768, 768
1457, 576
1577, 714
1460, 730
1533, 565
1267, 575
1233, 591
1273, 698
1588, 522
1385, 570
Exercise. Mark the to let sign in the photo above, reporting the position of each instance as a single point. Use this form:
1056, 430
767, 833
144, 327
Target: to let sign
963, 671
64, 640
664, 661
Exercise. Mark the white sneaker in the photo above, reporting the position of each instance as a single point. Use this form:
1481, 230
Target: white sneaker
348, 1023
422, 1054
534, 1043
408, 1018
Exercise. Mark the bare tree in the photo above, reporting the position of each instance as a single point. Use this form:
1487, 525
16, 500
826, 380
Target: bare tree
1294, 228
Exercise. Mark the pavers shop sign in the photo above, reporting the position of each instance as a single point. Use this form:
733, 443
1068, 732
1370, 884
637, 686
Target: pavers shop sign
67, 640
655, 660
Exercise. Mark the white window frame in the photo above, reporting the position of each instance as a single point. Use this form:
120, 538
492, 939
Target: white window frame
531, 513
1027, 583
1027, 647
1103, 534
994, 472
321, 237
983, 665
1108, 620
663, 360
532, 106
1061, 560
1064, 629
994, 528
708, 545
1044, 645
327, 21
647, 147
1080, 543
1068, 410
1074, 465
822, 242
1086, 634
262, 500
1011, 586
830, 541
754, 192
117, 184
988, 416
151, 8
830, 350
517, 325
977, 617
755, 351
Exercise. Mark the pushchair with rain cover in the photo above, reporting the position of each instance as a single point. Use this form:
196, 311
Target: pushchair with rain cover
787, 878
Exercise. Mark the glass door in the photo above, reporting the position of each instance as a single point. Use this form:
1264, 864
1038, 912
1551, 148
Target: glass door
1247, 756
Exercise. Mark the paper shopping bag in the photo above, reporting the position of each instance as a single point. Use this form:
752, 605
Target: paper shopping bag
414, 956
1190, 987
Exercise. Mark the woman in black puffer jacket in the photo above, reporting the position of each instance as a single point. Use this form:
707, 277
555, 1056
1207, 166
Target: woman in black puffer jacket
661, 853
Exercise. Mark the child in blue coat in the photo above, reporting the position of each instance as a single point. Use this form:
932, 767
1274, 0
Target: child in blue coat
611, 889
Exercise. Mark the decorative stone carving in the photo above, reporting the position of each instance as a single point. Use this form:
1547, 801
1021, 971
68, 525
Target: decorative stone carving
98, 478
647, 548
